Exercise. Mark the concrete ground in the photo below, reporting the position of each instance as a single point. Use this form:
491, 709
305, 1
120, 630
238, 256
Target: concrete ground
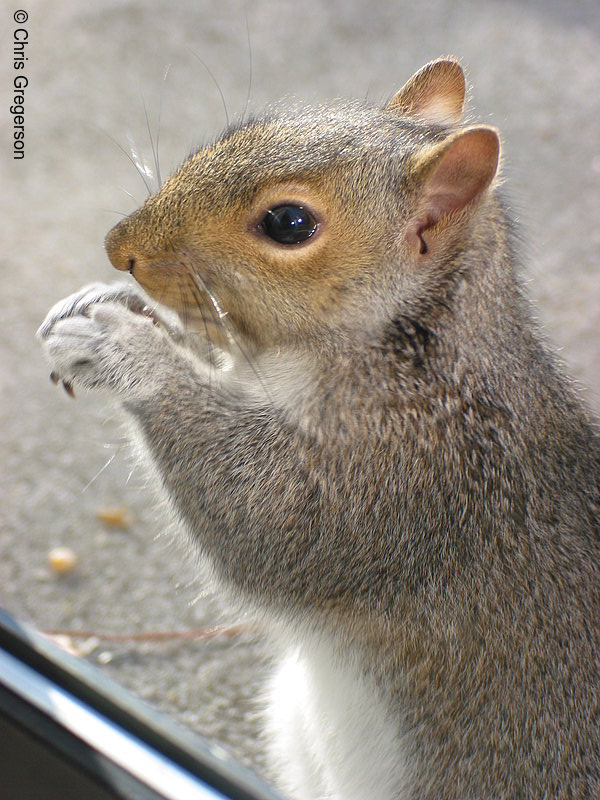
535, 71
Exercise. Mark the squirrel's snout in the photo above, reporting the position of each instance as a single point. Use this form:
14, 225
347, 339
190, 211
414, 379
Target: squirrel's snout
120, 254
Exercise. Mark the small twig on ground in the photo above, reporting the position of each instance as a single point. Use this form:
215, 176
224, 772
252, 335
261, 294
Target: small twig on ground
155, 636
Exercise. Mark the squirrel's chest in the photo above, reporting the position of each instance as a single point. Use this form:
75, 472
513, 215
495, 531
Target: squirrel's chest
332, 735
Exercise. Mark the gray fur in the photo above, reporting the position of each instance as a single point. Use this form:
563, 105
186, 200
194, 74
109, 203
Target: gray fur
407, 473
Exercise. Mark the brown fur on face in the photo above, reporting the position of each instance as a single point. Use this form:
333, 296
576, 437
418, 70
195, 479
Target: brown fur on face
358, 170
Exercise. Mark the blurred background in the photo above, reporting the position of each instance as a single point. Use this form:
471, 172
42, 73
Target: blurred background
94, 72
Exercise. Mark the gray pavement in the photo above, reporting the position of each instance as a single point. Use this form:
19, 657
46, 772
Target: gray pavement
535, 71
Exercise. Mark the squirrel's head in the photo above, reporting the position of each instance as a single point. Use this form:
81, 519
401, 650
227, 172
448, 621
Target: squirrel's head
313, 221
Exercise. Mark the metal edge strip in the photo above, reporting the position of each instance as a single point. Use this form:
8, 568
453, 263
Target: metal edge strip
115, 743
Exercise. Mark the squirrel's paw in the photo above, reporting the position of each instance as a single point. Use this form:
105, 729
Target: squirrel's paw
103, 336
78, 303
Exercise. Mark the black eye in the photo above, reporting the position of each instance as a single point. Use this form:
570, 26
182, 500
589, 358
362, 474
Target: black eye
289, 224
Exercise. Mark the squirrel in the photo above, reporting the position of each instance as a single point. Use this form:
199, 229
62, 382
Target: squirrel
356, 420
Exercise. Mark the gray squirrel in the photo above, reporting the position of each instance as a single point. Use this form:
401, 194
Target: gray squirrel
354, 418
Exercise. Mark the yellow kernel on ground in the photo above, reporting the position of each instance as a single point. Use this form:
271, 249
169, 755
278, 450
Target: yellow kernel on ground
62, 560
116, 517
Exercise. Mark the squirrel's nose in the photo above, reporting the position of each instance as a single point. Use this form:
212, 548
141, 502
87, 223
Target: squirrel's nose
118, 248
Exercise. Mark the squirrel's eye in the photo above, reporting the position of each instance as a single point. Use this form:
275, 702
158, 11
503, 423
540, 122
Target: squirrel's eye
289, 224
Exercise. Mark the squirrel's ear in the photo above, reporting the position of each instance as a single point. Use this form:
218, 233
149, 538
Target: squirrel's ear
449, 177
436, 93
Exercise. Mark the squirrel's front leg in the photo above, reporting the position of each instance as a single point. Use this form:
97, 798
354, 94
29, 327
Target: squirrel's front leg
236, 477
108, 337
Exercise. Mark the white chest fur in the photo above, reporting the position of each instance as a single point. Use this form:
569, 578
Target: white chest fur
331, 737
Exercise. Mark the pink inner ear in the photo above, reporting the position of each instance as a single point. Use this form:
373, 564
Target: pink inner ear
464, 171
454, 174
442, 204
